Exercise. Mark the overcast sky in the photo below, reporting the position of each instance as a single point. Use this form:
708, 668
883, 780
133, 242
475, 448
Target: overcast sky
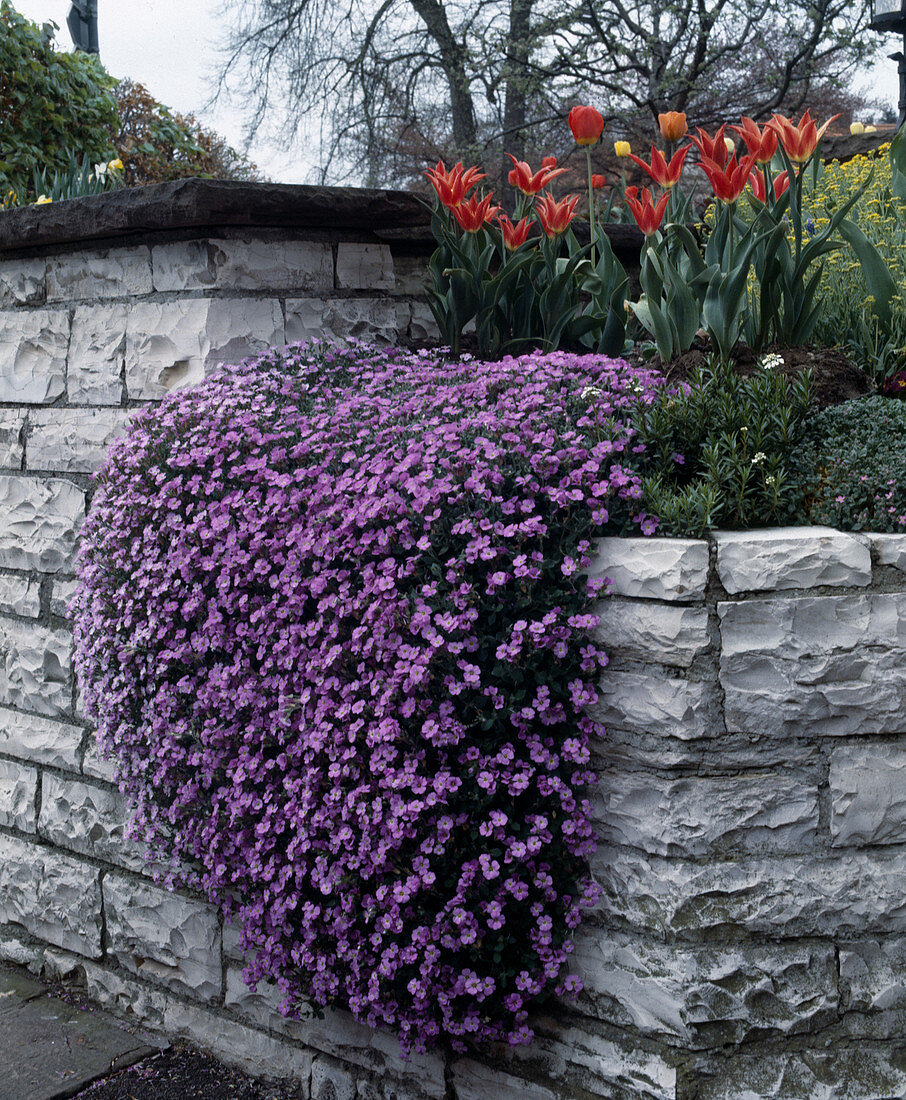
170, 46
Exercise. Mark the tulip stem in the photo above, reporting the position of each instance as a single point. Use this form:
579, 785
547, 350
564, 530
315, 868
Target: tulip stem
591, 205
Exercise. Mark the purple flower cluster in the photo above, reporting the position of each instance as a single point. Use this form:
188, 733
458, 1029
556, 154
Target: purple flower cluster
332, 625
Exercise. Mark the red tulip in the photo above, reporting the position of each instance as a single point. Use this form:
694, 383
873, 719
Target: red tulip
798, 141
513, 235
781, 184
587, 125
451, 187
673, 125
729, 182
763, 143
472, 214
667, 175
598, 182
647, 215
712, 148
522, 178
556, 216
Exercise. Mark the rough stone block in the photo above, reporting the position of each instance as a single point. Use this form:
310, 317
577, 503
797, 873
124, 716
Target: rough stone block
331, 1081
845, 893
164, 936
96, 764
652, 702
706, 996
87, 819
35, 668
410, 273
791, 557
33, 356
18, 788
20, 595
61, 593
670, 634
474, 1081
105, 273
174, 344
94, 373
22, 282
378, 320
423, 329
653, 569
868, 794
40, 740
12, 434
39, 522
364, 266
702, 816
73, 440
873, 975
53, 896
243, 265
831, 665
890, 550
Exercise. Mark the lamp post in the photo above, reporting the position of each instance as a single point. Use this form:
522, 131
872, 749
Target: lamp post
889, 17
83, 25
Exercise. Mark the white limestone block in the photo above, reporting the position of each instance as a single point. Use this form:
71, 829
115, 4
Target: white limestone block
39, 523
777, 558
331, 1081
95, 764
35, 667
364, 266
12, 435
62, 592
423, 329
648, 630
474, 1081
653, 702
890, 550
410, 274
18, 787
41, 740
33, 356
73, 440
20, 595
868, 794
103, 273
53, 896
22, 282
87, 819
249, 264
377, 320
164, 936
94, 372
873, 975
652, 568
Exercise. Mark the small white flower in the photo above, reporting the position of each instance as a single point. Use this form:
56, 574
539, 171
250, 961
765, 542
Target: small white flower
770, 480
759, 458
591, 391
100, 171
769, 362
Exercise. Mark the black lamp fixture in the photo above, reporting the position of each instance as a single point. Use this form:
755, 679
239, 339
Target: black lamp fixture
83, 25
889, 17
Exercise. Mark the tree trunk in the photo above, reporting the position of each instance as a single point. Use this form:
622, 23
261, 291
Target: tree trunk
453, 60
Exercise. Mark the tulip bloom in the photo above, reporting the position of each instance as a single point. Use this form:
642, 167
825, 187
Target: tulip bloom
781, 184
451, 187
667, 175
622, 148
513, 235
673, 125
729, 182
598, 182
648, 216
763, 143
587, 125
521, 176
556, 216
800, 141
472, 214
712, 148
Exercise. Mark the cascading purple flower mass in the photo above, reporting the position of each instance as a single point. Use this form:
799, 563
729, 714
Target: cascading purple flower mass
333, 628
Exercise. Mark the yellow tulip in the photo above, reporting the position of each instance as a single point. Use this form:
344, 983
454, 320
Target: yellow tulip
856, 128
622, 148
42, 199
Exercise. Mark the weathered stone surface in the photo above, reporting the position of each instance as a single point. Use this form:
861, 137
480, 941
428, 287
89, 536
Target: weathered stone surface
330, 1080
18, 787
699, 816
410, 273
73, 440
53, 896
174, 344
706, 996
364, 266
846, 893
873, 975
20, 595
868, 794
61, 593
863, 1072
105, 273
95, 764
94, 372
826, 665
670, 634
41, 740
474, 1081
12, 446
248, 264
653, 702
88, 819
39, 522
790, 557
33, 356
22, 282
890, 550
380, 320
164, 936
730, 752
423, 329
35, 667
653, 569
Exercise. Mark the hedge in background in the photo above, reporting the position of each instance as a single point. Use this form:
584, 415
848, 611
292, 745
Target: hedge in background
332, 624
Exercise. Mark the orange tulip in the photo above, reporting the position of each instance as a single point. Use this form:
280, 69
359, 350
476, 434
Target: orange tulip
587, 125
714, 148
729, 182
781, 184
472, 213
556, 216
667, 175
521, 176
673, 125
513, 235
647, 215
451, 187
763, 143
800, 141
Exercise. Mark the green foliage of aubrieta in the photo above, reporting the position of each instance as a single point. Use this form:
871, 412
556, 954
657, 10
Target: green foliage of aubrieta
717, 451
51, 104
852, 466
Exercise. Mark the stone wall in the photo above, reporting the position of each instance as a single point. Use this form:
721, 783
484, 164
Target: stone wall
751, 939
